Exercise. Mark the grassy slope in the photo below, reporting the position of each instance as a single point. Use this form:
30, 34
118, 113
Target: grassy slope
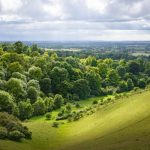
123, 125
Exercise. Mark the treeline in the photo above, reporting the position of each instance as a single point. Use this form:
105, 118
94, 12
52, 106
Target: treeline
34, 81
98, 54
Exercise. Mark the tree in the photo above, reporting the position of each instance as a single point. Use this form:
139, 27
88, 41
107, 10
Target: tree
18, 75
121, 71
18, 47
91, 60
35, 73
94, 80
17, 87
81, 88
39, 107
25, 110
58, 75
6, 102
2, 84
113, 77
123, 86
32, 94
134, 67
64, 88
142, 83
34, 48
72, 61
58, 101
103, 68
49, 103
34, 83
15, 67
130, 84
45, 85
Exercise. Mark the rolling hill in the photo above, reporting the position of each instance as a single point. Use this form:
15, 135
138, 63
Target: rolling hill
123, 125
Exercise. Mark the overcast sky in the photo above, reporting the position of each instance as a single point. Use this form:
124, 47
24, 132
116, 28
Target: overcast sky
74, 20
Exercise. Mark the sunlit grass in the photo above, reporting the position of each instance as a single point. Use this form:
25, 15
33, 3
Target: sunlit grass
122, 125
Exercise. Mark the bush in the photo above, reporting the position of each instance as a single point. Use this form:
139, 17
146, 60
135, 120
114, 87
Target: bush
9, 123
95, 102
3, 132
15, 135
55, 124
77, 105
63, 117
68, 107
48, 116
27, 133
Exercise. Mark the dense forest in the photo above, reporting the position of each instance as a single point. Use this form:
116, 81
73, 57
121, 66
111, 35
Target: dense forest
34, 81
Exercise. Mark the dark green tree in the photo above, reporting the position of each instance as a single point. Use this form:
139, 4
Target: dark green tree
25, 110
16, 87
58, 101
130, 84
81, 88
58, 75
32, 94
134, 67
45, 85
6, 102
142, 83
39, 107
94, 80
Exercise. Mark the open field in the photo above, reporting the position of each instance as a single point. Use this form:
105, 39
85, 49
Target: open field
123, 125
141, 54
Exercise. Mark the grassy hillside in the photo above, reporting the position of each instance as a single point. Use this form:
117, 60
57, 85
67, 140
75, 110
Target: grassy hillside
123, 125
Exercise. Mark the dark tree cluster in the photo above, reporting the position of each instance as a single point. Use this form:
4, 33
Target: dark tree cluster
34, 81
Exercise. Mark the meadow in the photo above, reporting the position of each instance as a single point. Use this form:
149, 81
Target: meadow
123, 124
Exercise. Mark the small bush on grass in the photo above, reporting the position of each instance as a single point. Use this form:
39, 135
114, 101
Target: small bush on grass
9, 124
15, 135
77, 105
95, 102
48, 116
55, 124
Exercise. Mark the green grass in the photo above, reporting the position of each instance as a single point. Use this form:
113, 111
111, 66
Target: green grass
123, 125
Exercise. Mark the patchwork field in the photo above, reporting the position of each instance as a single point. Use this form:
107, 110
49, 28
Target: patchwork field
122, 125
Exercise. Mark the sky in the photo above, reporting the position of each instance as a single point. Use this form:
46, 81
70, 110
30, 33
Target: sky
75, 20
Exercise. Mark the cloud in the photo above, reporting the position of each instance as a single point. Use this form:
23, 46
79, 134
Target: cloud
74, 19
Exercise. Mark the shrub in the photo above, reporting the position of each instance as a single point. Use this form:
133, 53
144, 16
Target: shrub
48, 116
55, 124
77, 105
63, 117
15, 135
9, 123
68, 107
95, 102
27, 133
61, 112
3, 132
